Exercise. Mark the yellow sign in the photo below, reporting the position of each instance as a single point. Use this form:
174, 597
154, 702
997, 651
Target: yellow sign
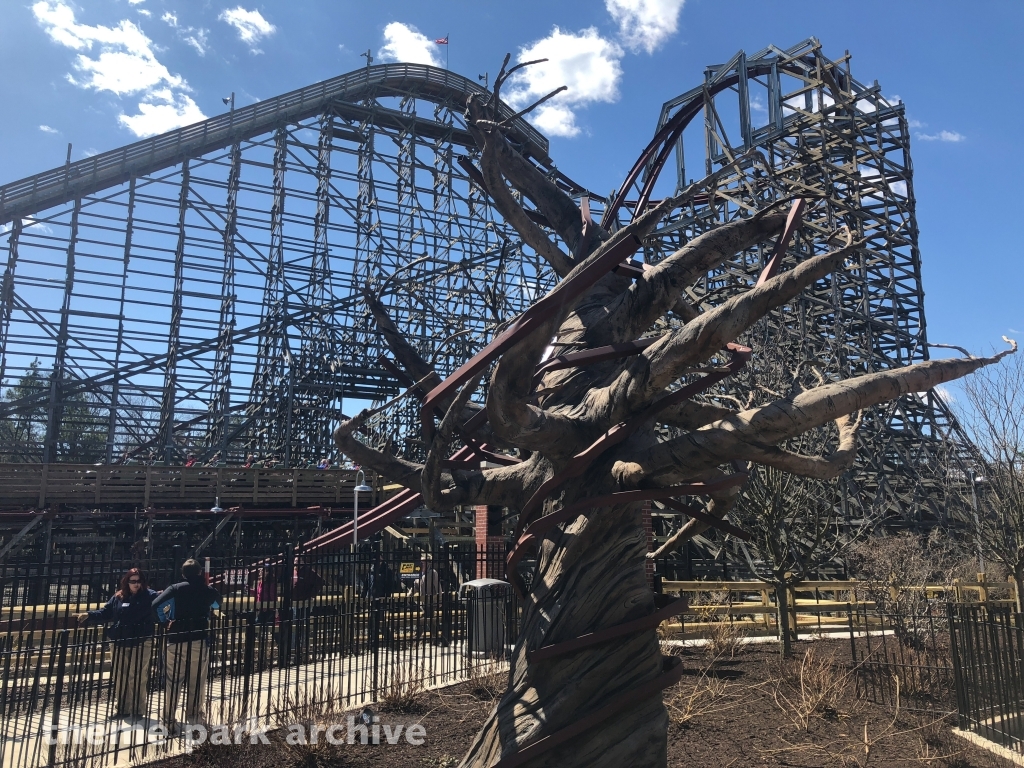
408, 568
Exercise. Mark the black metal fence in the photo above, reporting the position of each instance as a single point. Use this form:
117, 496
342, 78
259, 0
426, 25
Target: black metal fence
295, 634
988, 653
903, 659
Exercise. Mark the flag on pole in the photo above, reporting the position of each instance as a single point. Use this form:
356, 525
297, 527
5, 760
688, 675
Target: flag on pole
442, 40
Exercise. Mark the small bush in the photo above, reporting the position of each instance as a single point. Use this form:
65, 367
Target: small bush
403, 691
487, 680
815, 687
724, 639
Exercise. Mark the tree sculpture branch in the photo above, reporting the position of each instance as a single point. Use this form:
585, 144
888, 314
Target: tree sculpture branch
592, 448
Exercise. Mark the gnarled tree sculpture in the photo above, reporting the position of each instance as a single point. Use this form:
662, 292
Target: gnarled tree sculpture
584, 438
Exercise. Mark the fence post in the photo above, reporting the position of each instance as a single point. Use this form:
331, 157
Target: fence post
247, 661
285, 615
62, 658
958, 683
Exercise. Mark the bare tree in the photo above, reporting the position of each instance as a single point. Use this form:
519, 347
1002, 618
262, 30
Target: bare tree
896, 569
993, 498
586, 677
796, 525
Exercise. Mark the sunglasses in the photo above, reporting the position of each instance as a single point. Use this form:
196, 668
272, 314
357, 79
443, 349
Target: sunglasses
134, 581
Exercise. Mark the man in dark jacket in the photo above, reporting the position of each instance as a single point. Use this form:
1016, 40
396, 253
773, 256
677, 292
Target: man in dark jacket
185, 608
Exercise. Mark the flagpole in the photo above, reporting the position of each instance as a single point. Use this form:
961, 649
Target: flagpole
447, 47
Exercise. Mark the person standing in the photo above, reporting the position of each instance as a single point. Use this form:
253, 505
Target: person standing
379, 586
306, 585
428, 589
185, 607
129, 619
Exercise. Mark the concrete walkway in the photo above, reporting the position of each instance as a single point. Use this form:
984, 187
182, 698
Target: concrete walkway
89, 735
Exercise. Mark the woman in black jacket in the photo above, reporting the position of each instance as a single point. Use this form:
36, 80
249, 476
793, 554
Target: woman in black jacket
130, 622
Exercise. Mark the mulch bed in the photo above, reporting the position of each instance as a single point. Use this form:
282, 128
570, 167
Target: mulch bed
745, 710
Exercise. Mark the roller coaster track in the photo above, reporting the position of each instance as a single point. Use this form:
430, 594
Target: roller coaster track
60, 185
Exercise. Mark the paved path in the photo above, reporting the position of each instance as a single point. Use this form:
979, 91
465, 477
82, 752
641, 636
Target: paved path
274, 697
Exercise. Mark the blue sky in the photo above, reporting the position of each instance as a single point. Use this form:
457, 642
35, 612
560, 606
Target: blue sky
99, 74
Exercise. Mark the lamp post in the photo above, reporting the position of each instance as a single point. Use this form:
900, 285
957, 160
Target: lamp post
977, 523
361, 486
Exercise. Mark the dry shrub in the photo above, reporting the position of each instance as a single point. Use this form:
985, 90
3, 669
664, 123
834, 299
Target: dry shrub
724, 638
302, 706
933, 740
403, 690
814, 687
895, 570
323, 754
708, 695
306, 709
704, 603
669, 629
723, 635
487, 680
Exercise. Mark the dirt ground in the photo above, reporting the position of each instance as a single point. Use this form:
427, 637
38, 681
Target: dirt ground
734, 707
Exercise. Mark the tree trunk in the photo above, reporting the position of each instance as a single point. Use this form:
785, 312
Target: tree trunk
782, 601
589, 577
1018, 583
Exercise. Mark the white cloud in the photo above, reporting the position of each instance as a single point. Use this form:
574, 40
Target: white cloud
48, 129
868, 173
250, 25
406, 43
196, 38
144, 12
126, 65
950, 136
162, 111
645, 24
585, 62
945, 394
136, 2
916, 124
30, 223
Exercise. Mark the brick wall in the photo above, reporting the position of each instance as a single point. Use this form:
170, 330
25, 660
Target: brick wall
490, 544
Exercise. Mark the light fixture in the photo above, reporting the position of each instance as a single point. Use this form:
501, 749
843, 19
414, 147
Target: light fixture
361, 487
217, 508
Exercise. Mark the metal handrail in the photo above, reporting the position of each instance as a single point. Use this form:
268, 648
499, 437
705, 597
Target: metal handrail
34, 193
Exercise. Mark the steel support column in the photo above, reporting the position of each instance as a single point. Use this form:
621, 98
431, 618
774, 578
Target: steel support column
170, 388
55, 407
220, 403
7, 295
115, 388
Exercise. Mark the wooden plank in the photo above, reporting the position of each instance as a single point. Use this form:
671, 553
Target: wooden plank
159, 486
42, 486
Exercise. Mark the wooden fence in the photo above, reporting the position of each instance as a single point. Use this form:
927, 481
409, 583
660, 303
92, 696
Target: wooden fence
813, 605
39, 485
